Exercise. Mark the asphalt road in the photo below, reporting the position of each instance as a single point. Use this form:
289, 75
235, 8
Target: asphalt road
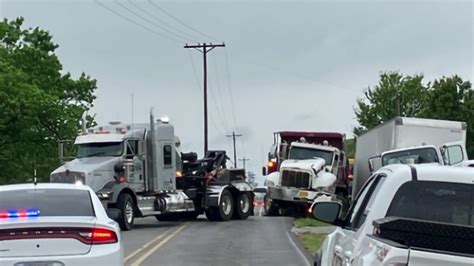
256, 241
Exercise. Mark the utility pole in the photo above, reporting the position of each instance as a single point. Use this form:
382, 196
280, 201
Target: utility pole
204, 48
244, 160
235, 151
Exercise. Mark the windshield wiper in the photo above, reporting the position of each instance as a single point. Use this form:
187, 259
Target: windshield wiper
95, 154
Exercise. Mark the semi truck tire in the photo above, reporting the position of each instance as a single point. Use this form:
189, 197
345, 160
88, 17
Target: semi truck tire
177, 216
243, 206
125, 205
224, 211
270, 208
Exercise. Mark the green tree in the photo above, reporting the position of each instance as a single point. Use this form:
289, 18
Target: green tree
447, 98
451, 98
394, 95
39, 103
349, 147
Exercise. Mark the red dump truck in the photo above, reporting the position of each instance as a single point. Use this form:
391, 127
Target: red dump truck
292, 178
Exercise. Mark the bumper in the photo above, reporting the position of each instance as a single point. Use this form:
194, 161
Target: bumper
99, 255
296, 196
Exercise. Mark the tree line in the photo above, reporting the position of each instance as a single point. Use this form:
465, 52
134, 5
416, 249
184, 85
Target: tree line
40, 103
446, 98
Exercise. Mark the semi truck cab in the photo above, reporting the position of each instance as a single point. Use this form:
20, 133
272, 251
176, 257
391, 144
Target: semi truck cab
140, 170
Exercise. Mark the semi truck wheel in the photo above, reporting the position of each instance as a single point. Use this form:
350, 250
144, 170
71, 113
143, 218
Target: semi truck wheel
224, 211
243, 206
270, 208
125, 205
177, 216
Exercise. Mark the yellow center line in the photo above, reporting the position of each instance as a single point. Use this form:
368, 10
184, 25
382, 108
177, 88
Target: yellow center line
160, 236
159, 245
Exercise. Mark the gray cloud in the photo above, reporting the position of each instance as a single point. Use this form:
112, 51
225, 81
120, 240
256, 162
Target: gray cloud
287, 60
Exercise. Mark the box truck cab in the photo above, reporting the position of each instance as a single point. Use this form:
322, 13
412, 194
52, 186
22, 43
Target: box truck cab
405, 140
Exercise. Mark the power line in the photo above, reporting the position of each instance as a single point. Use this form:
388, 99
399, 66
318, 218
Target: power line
183, 34
176, 37
134, 22
229, 86
233, 136
181, 22
213, 119
206, 48
219, 103
244, 160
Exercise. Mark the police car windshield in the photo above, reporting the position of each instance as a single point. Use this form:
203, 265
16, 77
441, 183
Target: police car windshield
298, 153
99, 149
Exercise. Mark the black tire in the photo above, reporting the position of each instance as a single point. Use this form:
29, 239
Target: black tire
243, 206
270, 208
224, 211
212, 214
124, 203
169, 217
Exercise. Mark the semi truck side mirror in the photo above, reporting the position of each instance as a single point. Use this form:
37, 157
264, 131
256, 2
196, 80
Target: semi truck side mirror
264, 170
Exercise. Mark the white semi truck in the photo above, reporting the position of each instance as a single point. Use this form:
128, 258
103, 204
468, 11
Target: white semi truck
140, 170
405, 140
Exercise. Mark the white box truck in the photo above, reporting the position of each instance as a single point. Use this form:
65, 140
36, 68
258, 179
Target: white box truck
406, 140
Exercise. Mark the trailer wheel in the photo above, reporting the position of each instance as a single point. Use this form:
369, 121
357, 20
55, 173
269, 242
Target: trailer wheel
224, 211
125, 205
270, 208
243, 206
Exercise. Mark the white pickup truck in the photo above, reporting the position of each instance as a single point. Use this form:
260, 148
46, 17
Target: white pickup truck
404, 215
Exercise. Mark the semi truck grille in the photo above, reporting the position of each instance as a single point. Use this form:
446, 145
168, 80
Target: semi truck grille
295, 179
68, 177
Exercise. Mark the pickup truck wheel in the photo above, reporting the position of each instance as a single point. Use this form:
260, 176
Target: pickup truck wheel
270, 208
125, 205
243, 206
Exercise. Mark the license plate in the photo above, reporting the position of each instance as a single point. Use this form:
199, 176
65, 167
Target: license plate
303, 194
40, 263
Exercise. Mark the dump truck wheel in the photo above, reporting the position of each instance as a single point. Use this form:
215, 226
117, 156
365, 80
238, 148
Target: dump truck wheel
125, 205
270, 208
243, 206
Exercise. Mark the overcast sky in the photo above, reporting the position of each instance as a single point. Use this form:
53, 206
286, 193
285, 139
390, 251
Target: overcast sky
293, 65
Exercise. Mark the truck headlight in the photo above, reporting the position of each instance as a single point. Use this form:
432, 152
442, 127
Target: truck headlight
104, 194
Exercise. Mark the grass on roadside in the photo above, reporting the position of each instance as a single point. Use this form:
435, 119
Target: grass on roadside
302, 222
312, 242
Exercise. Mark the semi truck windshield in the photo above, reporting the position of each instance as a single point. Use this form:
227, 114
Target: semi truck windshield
99, 149
415, 156
298, 153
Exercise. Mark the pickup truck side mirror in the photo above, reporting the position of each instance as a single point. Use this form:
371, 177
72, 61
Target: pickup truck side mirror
327, 211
